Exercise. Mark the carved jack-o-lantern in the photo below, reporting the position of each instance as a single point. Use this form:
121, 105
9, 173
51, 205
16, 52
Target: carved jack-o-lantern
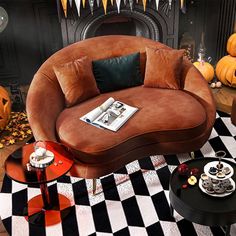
226, 70
5, 108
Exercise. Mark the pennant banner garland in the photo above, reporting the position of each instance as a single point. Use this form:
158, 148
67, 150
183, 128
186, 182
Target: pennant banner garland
91, 5
118, 5
144, 4
166, 5
78, 3
64, 6
131, 4
157, 4
104, 2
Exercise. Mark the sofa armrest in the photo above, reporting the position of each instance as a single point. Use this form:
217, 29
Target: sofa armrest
198, 87
44, 103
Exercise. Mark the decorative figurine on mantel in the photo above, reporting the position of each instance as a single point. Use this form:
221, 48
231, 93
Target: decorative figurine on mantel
41, 157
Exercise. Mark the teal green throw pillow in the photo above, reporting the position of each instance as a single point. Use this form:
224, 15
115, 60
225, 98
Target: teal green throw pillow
117, 73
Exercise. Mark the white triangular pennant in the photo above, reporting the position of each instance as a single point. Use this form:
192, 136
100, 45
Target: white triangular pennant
91, 4
157, 4
98, 3
131, 4
125, 2
78, 3
118, 5
70, 2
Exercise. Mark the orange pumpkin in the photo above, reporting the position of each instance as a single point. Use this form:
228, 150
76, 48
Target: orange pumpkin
206, 69
5, 108
231, 45
226, 70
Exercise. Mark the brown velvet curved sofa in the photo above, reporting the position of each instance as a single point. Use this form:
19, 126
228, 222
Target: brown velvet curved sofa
168, 121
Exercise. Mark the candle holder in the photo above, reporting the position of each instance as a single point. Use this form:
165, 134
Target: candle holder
41, 157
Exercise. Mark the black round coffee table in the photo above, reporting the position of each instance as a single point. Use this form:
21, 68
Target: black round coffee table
198, 207
42, 209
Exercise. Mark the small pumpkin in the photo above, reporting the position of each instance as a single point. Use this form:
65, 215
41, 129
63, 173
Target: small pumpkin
226, 70
5, 108
231, 45
206, 69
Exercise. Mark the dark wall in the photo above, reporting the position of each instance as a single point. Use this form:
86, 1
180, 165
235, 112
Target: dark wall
216, 18
32, 35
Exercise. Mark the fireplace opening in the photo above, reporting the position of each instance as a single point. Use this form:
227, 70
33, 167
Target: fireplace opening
117, 25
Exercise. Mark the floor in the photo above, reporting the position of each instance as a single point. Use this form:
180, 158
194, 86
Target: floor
140, 202
4, 153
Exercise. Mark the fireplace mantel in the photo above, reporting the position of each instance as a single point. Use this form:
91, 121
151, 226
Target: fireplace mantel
158, 25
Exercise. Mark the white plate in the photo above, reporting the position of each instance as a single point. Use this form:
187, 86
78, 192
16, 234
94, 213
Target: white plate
217, 194
46, 161
213, 164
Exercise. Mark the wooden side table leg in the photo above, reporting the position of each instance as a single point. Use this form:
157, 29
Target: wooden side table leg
171, 211
192, 155
233, 111
227, 230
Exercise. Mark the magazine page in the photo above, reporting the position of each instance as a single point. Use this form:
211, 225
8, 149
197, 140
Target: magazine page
92, 115
115, 116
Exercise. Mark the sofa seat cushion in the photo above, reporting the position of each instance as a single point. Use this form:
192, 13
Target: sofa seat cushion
164, 115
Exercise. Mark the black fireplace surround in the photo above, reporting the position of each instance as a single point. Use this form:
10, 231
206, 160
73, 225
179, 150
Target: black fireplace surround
161, 25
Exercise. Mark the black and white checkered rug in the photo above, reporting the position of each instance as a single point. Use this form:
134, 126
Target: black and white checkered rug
132, 201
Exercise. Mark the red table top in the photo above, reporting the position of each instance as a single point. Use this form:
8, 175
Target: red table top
16, 164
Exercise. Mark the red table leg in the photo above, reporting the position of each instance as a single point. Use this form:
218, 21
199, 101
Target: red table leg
42, 211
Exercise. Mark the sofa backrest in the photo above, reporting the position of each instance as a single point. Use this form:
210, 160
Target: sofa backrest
100, 48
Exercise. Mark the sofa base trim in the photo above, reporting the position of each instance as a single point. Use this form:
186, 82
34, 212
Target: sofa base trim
90, 171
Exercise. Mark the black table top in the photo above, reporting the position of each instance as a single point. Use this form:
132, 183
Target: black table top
16, 164
198, 207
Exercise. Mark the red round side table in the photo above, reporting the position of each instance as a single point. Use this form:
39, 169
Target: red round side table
41, 209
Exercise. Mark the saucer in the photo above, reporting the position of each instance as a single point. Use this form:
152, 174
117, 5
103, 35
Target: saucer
44, 162
211, 164
217, 194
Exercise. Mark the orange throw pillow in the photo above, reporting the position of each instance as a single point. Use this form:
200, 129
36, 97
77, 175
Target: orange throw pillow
77, 81
163, 68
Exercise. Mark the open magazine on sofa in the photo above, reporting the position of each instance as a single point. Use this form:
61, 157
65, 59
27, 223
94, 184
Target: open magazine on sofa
110, 115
